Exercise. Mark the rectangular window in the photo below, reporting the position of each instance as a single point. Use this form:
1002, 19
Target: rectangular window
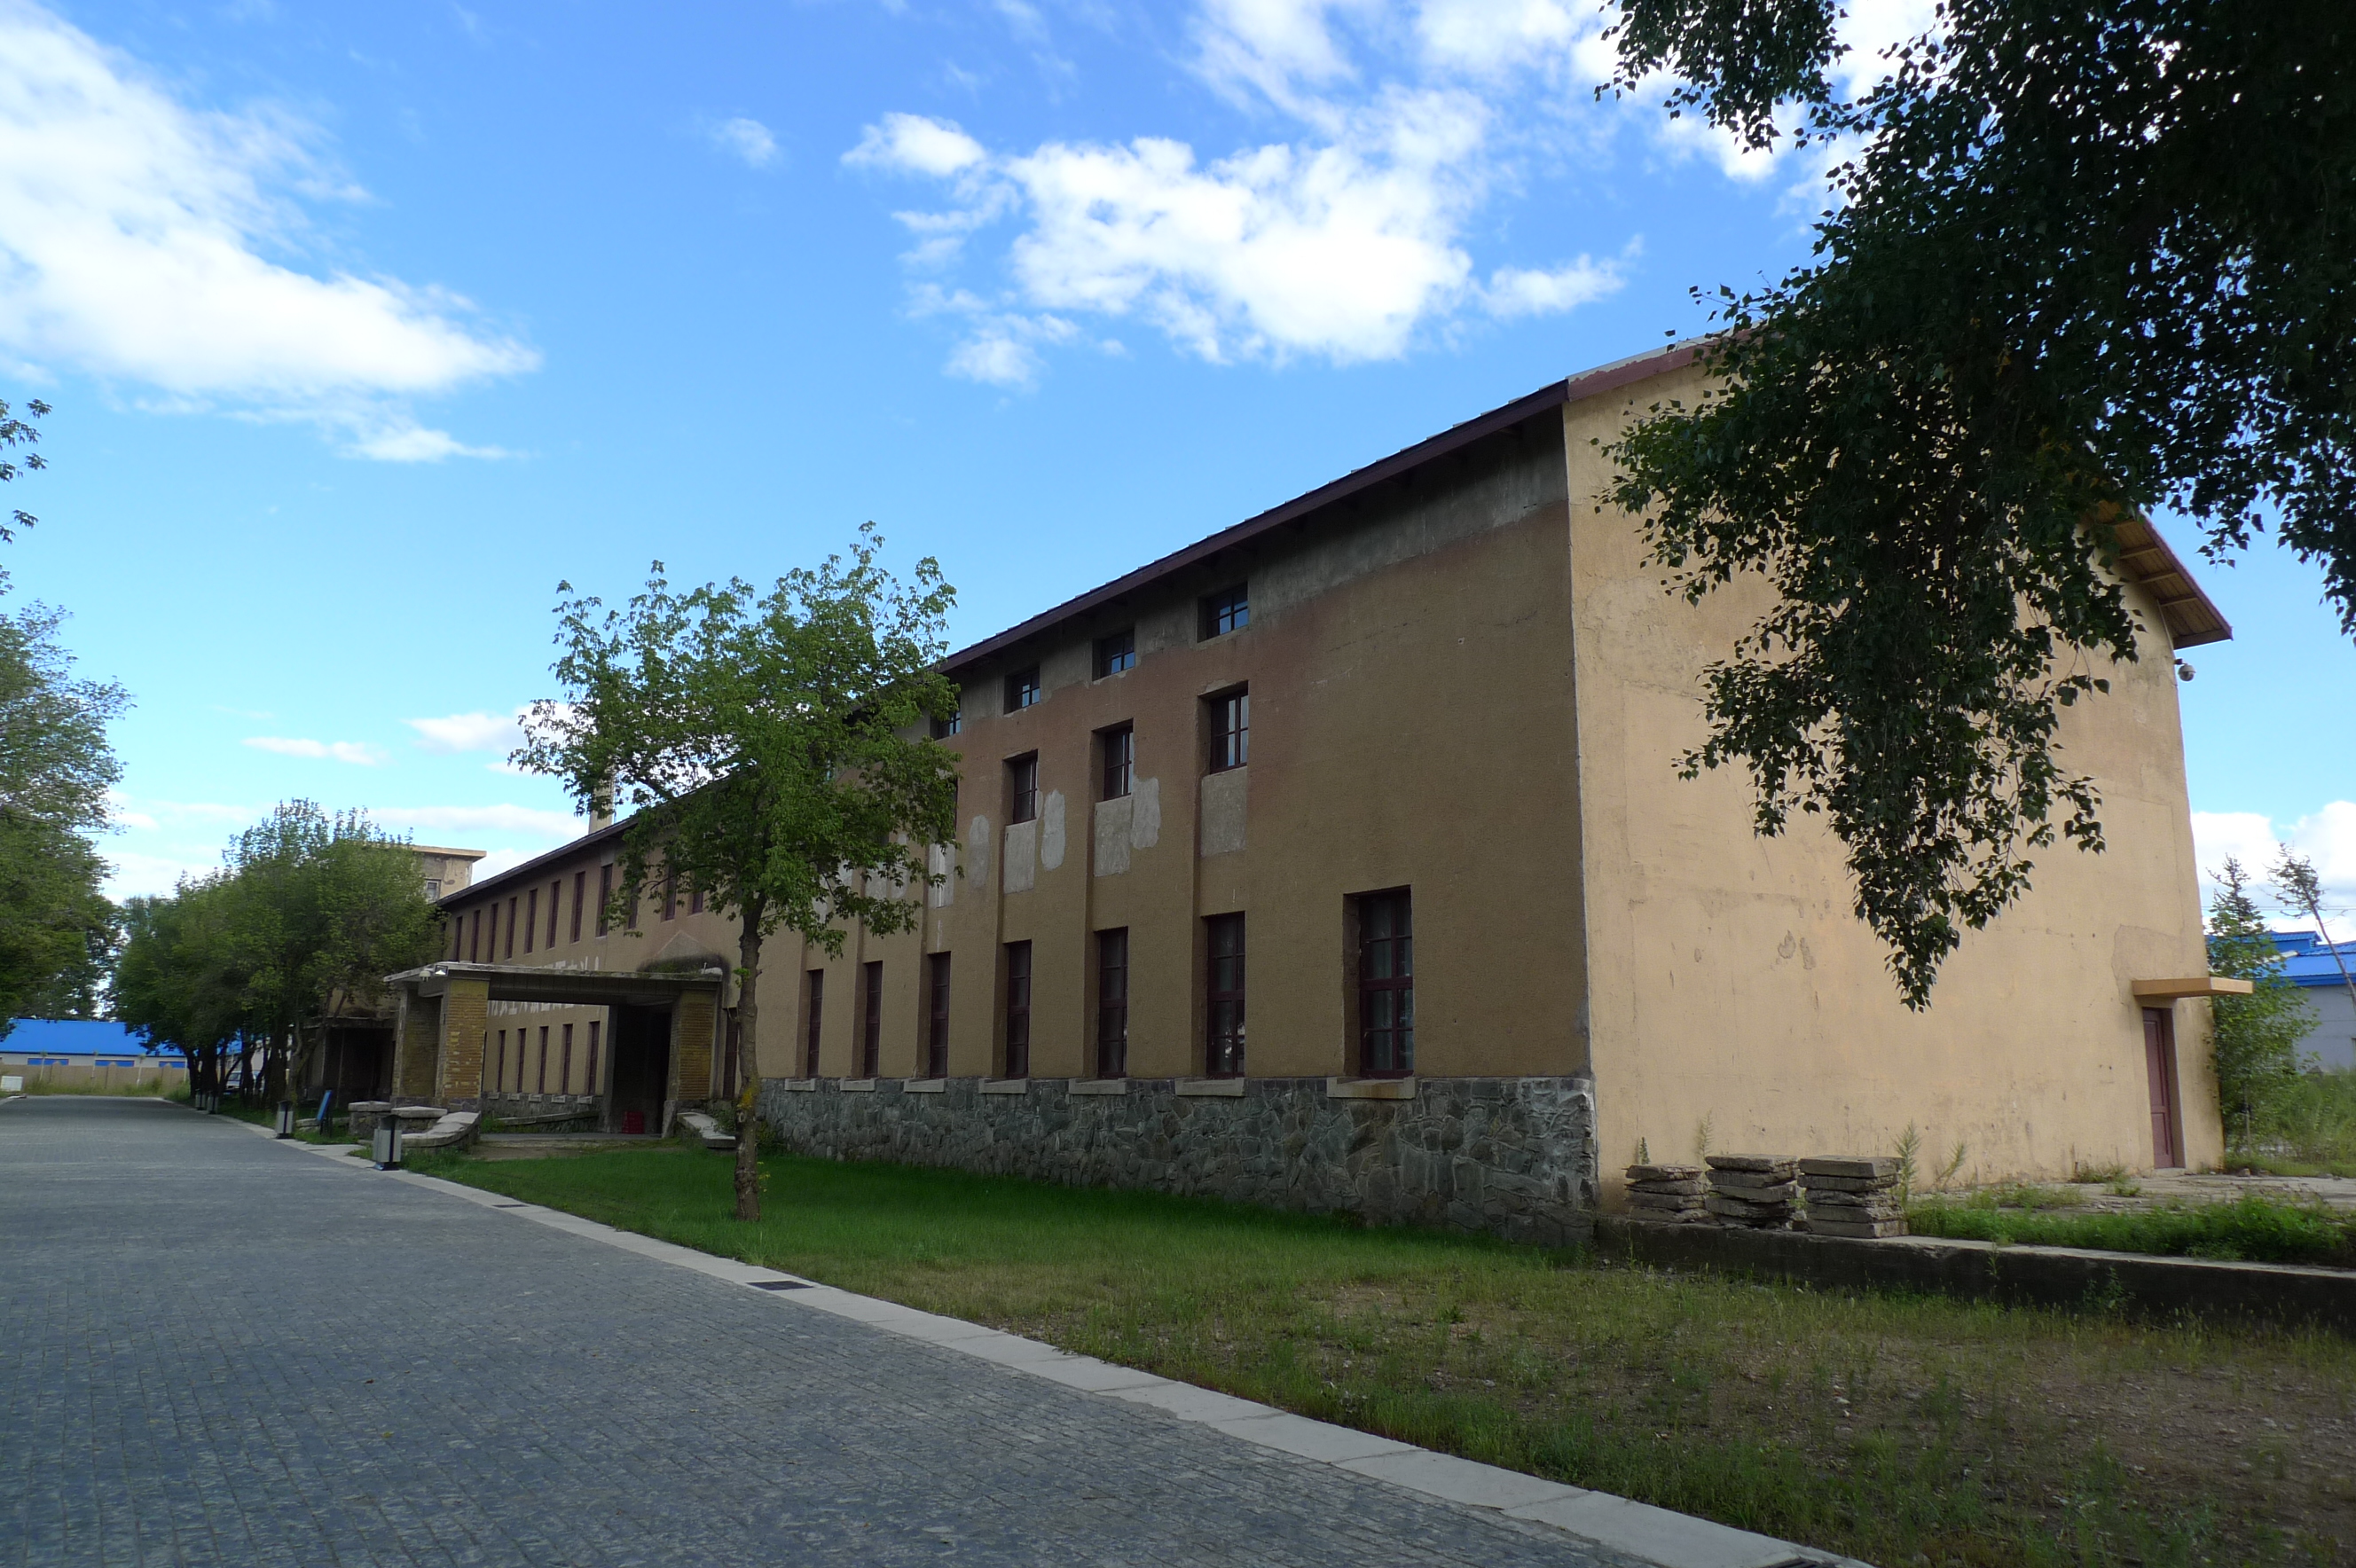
543, 1059
1230, 730
937, 1015
531, 917
695, 900
871, 1019
1228, 610
475, 936
457, 937
1117, 652
500, 1075
669, 897
1118, 749
1112, 1004
1022, 788
953, 724
815, 997
1018, 1009
605, 897
580, 897
1386, 986
512, 905
565, 1079
1223, 992
555, 897
597, 1027
1022, 689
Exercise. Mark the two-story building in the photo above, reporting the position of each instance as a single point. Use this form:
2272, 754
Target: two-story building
1339, 861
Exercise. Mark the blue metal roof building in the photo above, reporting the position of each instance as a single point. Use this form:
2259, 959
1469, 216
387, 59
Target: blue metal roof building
2310, 965
81, 1042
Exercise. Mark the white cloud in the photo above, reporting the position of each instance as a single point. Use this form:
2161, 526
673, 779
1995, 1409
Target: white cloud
747, 139
1347, 241
353, 752
2327, 837
136, 243
470, 731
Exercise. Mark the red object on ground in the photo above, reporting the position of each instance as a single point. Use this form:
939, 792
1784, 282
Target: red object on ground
634, 1121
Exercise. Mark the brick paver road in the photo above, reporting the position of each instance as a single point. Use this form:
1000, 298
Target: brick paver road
216, 1350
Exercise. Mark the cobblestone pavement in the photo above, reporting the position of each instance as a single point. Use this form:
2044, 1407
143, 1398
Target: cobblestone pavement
219, 1349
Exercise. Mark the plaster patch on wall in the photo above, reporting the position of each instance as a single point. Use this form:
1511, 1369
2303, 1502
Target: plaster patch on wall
1051, 831
1145, 823
1223, 811
977, 852
1115, 822
1022, 857
940, 860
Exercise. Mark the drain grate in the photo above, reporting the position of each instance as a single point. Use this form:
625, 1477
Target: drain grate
778, 1284
510, 1205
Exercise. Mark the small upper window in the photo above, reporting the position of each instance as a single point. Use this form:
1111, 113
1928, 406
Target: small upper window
433, 888
1119, 756
1117, 652
1022, 788
1022, 689
1228, 610
953, 724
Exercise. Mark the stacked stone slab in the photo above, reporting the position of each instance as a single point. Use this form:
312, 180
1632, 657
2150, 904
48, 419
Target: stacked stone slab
1673, 1193
1752, 1189
1853, 1195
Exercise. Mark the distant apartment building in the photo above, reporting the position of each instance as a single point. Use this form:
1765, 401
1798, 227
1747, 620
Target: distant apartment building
1339, 861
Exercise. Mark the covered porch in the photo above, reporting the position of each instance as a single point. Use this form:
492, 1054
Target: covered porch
658, 1034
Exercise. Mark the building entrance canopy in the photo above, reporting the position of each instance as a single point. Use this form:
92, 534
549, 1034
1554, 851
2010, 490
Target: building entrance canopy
445, 1011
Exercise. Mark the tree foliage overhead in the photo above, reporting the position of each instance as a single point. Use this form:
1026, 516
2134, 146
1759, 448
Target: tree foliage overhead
2085, 261
770, 746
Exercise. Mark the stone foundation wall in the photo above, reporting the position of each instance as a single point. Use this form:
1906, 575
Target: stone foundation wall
545, 1113
1515, 1157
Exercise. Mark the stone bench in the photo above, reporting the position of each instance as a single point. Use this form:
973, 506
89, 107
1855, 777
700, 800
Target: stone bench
696, 1125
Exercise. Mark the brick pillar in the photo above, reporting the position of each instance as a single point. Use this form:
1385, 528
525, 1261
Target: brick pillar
465, 1012
691, 1020
416, 1047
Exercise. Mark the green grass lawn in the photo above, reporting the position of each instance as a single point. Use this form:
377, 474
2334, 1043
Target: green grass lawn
2253, 1226
1899, 1430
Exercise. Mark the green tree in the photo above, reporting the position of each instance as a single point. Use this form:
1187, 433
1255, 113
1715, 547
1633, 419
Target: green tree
771, 747
2302, 891
17, 430
308, 914
2084, 261
2255, 1037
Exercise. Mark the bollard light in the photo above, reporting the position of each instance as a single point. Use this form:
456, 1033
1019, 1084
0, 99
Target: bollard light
388, 1146
285, 1118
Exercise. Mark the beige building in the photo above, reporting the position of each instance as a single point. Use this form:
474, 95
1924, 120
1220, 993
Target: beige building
1339, 861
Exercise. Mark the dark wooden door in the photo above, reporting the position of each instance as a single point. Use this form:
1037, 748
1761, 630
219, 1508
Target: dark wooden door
2159, 1069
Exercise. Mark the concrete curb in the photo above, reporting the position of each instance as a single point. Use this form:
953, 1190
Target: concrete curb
1526, 1502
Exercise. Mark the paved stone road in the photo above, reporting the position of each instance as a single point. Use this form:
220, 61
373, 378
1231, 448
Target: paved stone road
217, 1349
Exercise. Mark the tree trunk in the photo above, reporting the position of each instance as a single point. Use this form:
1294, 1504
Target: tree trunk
748, 1066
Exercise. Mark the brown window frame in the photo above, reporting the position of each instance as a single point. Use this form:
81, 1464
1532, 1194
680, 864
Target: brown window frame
1225, 610
871, 1018
544, 1062
1115, 652
1022, 788
814, 1027
596, 1034
1223, 996
937, 1015
531, 917
514, 903
669, 897
695, 900
1383, 925
555, 897
1116, 761
565, 1072
606, 898
1023, 690
474, 934
1230, 730
1019, 973
580, 893
1112, 1003
499, 1064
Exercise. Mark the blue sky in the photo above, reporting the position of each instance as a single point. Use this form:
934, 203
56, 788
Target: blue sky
367, 324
